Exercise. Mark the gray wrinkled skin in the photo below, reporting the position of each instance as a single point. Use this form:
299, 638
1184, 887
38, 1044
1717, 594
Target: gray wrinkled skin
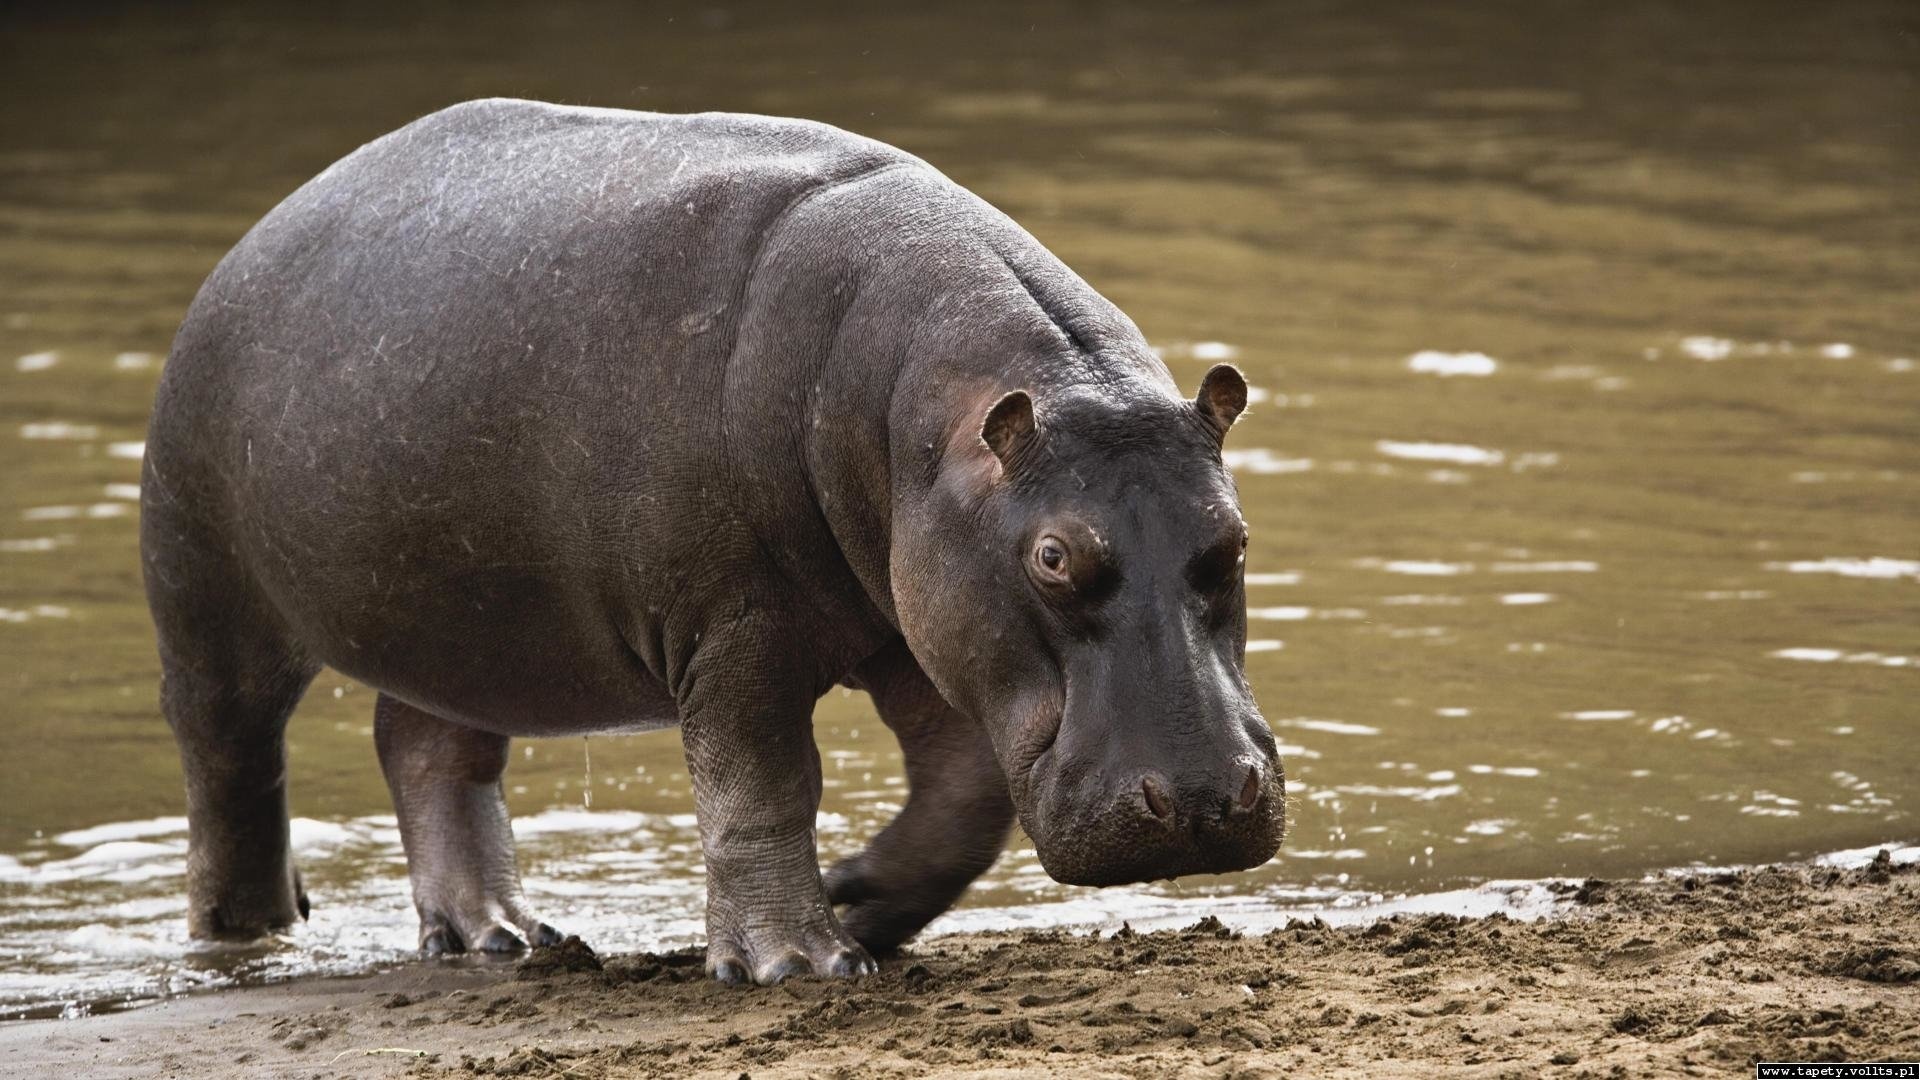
546, 421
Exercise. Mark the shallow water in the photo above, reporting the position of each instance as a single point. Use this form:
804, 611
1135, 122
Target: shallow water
1581, 472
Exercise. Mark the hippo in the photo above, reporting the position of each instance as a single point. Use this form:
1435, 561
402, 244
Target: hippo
543, 420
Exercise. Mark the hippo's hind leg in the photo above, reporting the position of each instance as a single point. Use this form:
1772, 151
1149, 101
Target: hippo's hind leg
445, 780
228, 682
955, 821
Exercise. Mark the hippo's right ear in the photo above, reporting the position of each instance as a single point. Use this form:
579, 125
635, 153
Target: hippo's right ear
1009, 427
1222, 398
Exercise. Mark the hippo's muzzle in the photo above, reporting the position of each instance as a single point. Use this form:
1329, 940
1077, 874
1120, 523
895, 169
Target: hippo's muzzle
1211, 806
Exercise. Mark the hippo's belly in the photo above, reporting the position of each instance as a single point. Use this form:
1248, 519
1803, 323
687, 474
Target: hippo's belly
501, 651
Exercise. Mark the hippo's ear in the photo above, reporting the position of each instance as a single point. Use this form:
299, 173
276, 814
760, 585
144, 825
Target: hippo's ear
1222, 397
1009, 426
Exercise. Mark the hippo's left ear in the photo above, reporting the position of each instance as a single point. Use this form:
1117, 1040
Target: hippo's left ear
1009, 427
1222, 397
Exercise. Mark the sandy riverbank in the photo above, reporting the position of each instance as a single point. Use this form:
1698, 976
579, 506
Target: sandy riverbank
1685, 975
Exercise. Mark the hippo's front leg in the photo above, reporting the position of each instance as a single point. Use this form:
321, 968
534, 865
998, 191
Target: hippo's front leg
747, 726
955, 821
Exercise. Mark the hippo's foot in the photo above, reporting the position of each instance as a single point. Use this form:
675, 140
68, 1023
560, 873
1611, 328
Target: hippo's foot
950, 832
244, 914
753, 952
445, 780
889, 896
485, 928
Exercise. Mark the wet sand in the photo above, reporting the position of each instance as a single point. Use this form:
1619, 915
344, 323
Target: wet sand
1697, 975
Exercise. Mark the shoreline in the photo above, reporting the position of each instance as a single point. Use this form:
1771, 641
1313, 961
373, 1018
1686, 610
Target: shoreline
1701, 972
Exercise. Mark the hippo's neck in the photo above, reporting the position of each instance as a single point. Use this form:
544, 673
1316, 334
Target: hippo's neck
926, 347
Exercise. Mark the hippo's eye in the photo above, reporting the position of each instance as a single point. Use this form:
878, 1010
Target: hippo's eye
1216, 570
1050, 557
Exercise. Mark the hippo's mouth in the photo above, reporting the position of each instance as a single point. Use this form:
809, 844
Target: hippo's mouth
1046, 735
1032, 750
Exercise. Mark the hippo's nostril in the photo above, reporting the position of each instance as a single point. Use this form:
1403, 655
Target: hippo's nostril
1250, 791
1157, 800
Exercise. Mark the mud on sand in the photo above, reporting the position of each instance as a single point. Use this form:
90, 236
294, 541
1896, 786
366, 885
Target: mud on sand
1693, 975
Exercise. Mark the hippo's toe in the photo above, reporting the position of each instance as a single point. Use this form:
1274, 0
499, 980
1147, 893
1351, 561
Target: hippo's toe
440, 941
850, 962
728, 968
784, 967
501, 942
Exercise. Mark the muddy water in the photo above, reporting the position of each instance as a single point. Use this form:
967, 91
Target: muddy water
1582, 472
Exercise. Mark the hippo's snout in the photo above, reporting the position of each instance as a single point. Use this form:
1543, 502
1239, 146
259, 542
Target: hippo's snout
1115, 827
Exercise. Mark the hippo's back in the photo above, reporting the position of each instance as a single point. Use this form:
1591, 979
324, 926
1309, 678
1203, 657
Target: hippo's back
495, 244
529, 190
513, 217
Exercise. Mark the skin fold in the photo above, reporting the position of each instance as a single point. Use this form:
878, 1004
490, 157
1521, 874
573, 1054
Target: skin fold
550, 421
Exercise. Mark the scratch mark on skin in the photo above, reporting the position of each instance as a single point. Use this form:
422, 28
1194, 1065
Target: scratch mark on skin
162, 494
484, 264
426, 374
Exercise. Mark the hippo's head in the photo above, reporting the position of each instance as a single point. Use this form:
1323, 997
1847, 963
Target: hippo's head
1075, 581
